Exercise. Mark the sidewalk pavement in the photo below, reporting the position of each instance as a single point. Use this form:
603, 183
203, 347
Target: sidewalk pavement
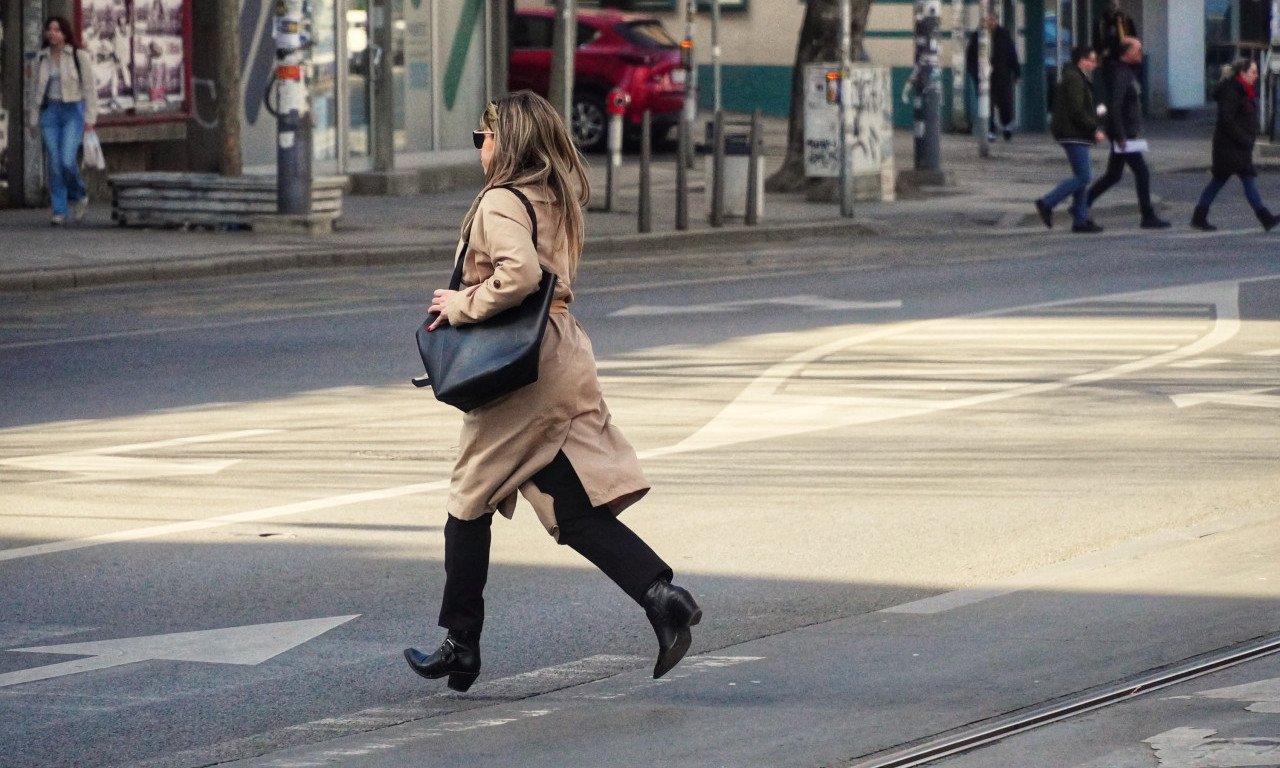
981, 192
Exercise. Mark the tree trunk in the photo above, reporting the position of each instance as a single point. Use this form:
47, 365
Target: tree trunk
819, 41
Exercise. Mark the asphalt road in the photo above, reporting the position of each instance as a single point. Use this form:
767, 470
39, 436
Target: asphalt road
833, 430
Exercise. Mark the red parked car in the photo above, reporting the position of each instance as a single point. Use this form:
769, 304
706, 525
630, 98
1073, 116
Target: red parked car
628, 51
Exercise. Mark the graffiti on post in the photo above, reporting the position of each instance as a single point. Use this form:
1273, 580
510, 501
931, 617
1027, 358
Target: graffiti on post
872, 144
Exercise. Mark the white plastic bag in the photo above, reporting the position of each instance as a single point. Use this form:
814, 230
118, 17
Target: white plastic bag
92, 151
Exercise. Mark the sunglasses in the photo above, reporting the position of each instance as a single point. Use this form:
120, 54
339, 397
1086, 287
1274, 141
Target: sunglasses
477, 137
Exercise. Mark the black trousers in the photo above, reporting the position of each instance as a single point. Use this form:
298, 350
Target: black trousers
594, 532
1115, 169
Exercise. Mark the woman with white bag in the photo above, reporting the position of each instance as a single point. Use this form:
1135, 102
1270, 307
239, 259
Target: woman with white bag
65, 108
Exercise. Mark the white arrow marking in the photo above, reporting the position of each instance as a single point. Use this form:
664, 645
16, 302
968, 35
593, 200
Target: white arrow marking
1251, 398
100, 464
1192, 748
248, 645
764, 409
817, 303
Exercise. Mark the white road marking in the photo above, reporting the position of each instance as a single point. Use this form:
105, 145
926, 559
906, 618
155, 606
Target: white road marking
1263, 695
1267, 353
1249, 398
1193, 748
1202, 362
817, 303
765, 410
221, 520
101, 464
247, 645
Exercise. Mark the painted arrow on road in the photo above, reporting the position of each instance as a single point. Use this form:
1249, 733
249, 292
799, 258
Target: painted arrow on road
1194, 748
804, 302
1251, 398
248, 645
101, 464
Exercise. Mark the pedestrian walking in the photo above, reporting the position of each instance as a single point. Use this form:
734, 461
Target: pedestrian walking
1111, 28
65, 109
1123, 127
552, 440
1234, 135
1075, 127
1006, 72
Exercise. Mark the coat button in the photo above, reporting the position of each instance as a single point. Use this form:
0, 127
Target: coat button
497, 283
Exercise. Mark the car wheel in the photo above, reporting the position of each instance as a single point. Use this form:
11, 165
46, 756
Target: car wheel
590, 122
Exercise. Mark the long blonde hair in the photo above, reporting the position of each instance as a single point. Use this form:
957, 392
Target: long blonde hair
531, 146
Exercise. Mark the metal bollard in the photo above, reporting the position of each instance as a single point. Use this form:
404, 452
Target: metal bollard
753, 172
682, 176
617, 106
646, 155
717, 171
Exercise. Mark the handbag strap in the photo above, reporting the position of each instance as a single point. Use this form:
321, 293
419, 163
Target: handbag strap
455, 282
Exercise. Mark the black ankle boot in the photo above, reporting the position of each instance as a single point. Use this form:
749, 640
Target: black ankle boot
458, 657
1267, 218
1200, 220
671, 611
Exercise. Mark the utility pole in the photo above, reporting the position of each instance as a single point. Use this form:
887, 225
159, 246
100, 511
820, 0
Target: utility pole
293, 122
715, 53
499, 48
846, 109
690, 117
959, 40
928, 88
228, 88
382, 127
564, 42
984, 81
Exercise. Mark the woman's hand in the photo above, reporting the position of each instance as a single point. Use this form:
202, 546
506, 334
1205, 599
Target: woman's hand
440, 304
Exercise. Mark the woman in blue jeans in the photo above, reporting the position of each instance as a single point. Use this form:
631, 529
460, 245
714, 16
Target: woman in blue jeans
1234, 135
1075, 126
67, 107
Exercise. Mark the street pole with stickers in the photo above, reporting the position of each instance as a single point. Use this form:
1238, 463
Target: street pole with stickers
927, 86
293, 110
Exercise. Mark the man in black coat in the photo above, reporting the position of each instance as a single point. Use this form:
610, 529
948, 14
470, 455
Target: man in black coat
1123, 127
1006, 72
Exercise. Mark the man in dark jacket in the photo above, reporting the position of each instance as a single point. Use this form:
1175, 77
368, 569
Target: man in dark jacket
1006, 71
1075, 126
1233, 138
1123, 126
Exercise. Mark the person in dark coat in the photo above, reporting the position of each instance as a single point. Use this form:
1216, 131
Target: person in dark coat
1124, 125
1233, 139
1111, 28
1075, 127
1006, 72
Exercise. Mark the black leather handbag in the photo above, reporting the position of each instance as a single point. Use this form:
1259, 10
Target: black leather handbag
473, 364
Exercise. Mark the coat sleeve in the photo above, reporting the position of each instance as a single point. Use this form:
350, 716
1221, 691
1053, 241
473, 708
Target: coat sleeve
1079, 106
1119, 85
1230, 105
88, 86
501, 230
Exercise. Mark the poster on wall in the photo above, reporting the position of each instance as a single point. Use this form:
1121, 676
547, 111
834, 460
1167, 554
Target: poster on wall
141, 51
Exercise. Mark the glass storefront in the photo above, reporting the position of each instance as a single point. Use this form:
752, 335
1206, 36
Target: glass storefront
4, 114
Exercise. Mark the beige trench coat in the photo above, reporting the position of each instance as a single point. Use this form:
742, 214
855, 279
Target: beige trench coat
504, 443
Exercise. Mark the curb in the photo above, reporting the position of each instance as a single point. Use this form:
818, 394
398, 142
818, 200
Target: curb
33, 281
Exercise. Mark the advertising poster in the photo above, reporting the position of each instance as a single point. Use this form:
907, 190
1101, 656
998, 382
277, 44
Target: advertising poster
108, 36
139, 48
158, 55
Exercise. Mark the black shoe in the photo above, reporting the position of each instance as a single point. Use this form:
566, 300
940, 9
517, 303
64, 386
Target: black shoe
1088, 225
1046, 213
991, 137
1267, 219
671, 611
1008, 135
1200, 220
458, 657
1154, 222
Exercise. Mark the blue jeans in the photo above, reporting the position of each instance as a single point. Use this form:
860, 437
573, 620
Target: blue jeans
62, 124
1078, 156
1214, 187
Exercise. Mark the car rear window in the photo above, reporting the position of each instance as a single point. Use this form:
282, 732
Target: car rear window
647, 34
